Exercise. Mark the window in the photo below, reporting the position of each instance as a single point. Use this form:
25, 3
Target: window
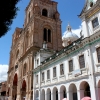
47, 35
44, 12
17, 53
36, 78
24, 70
95, 22
48, 74
70, 65
81, 61
61, 69
37, 62
29, 16
54, 72
16, 66
43, 76
98, 54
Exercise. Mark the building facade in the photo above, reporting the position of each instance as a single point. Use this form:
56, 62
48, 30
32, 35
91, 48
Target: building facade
3, 86
73, 72
42, 23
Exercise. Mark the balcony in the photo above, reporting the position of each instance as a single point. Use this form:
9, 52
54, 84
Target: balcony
76, 73
55, 79
48, 81
42, 83
62, 78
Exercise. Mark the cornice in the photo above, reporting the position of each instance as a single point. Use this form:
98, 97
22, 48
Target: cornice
91, 11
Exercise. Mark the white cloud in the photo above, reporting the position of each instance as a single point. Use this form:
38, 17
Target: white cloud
3, 72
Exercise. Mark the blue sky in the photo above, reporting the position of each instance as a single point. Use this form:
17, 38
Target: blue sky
68, 9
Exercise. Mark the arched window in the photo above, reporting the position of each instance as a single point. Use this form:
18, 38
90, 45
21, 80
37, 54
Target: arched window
44, 12
29, 16
24, 69
47, 35
17, 53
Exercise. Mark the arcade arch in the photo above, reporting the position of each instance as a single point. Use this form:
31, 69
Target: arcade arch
14, 91
23, 90
48, 94
55, 93
73, 92
63, 92
85, 89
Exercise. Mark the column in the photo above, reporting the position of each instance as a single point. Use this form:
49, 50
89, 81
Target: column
58, 95
69, 95
45, 96
93, 94
39, 95
98, 93
80, 94
51, 96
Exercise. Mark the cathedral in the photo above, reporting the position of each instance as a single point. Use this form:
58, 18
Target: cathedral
44, 65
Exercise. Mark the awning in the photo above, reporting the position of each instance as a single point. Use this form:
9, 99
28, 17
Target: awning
86, 98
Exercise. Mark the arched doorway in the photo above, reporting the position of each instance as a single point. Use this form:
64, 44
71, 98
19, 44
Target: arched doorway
37, 95
43, 94
23, 90
48, 94
55, 93
73, 92
85, 89
14, 91
63, 93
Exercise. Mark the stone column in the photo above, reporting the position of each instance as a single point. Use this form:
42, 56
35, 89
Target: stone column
39, 94
69, 95
58, 95
81, 94
52, 95
98, 93
93, 94
45, 96
78, 95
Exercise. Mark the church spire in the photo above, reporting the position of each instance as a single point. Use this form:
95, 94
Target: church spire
69, 28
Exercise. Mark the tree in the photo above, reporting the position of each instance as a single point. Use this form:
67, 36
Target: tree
8, 11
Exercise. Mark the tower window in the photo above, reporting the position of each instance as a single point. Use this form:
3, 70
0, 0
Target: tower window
24, 70
47, 35
95, 22
17, 53
44, 12
29, 16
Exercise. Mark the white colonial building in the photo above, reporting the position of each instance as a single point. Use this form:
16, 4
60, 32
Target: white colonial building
74, 71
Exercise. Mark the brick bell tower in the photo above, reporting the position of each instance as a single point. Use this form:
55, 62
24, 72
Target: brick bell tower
43, 19
42, 23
